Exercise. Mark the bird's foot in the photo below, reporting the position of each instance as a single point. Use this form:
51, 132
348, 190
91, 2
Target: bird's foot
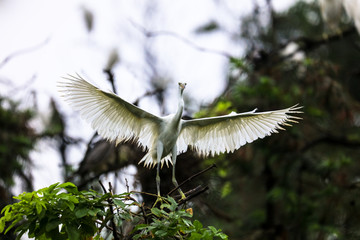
159, 199
182, 194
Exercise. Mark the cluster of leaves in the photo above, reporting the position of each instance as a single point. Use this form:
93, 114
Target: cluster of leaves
53, 213
168, 222
61, 211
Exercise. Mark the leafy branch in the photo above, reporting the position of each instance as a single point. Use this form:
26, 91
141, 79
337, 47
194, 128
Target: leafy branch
61, 211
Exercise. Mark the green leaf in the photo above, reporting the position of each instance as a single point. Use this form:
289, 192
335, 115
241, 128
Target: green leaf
137, 236
38, 206
213, 229
6, 209
52, 187
222, 235
70, 205
71, 198
79, 213
173, 204
52, 224
140, 227
70, 187
226, 189
187, 222
156, 212
223, 106
197, 225
93, 212
160, 233
2, 224
18, 219
119, 203
195, 236
72, 232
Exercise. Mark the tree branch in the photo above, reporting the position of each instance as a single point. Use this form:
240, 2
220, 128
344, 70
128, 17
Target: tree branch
308, 44
23, 51
191, 178
333, 140
151, 34
109, 200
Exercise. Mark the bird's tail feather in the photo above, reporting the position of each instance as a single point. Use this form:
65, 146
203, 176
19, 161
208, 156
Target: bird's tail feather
149, 162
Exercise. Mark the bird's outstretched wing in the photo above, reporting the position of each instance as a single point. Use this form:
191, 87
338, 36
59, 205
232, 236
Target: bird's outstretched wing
112, 117
214, 135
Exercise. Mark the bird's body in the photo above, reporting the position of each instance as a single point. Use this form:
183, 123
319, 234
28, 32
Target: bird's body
165, 137
169, 133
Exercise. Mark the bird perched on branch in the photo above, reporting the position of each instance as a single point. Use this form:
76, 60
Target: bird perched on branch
165, 137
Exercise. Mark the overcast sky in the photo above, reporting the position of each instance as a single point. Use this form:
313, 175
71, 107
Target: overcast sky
48, 39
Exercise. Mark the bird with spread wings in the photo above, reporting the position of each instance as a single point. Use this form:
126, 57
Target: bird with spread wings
165, 137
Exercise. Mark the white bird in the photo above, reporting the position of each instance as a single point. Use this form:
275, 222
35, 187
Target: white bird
165, 137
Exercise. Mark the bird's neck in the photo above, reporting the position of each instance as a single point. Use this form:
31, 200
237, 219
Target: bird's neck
179, 112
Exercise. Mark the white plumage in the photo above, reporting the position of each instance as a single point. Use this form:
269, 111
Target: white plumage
165, 137
352, 8
331, 12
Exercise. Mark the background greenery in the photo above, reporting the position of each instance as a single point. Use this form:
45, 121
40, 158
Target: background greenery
299, 184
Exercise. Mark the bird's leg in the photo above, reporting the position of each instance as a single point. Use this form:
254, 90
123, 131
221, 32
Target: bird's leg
174, 155
159, 151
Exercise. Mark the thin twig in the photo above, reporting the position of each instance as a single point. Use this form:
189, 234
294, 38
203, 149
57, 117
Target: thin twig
102, 186
152, 34
111, 78
127, 185
110, 188
144, 213
150, 194
23, 51
191, 178
193, 193
109, 200
148, 93
308, 44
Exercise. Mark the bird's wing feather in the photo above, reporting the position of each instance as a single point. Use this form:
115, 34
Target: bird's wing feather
112, 117
215, 135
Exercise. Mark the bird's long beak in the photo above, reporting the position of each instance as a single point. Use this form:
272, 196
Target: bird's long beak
182, 85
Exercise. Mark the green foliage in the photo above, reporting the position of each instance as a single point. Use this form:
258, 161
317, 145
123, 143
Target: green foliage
170, 223
57, 212
61, 211
221, 108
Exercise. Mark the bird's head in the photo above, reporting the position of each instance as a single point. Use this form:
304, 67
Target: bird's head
182, 87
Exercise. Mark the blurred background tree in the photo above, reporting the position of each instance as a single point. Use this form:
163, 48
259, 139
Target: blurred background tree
17, 139
299, 184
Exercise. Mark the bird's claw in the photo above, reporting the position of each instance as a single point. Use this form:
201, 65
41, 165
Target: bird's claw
183, 197
158, 199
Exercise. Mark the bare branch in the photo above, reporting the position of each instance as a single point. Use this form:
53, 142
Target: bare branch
23, 51
191, 178
151, 34
193, 193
